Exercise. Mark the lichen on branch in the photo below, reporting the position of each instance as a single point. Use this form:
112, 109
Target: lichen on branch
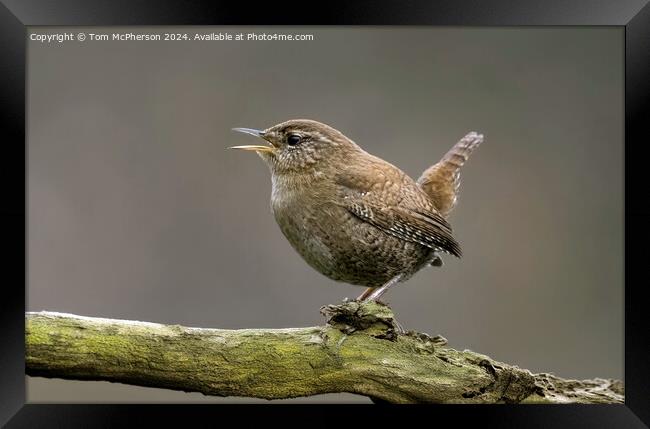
358, 350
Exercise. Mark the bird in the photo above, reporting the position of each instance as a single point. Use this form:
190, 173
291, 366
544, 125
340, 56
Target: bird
353, 216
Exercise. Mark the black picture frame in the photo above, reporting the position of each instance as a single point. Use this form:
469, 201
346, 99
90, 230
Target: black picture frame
17, 15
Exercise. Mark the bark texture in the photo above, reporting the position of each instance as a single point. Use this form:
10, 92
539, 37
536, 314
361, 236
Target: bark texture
358, 350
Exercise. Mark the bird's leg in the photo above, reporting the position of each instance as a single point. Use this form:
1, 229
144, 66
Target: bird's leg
365, 293
375, 294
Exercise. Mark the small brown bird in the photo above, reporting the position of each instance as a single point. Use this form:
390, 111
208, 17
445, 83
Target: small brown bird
352, 216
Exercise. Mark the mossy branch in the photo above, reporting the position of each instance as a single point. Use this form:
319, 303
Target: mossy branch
357, 351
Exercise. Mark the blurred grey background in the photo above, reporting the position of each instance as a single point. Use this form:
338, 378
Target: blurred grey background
138, 211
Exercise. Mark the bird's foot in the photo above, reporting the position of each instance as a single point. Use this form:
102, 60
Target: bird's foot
399, 328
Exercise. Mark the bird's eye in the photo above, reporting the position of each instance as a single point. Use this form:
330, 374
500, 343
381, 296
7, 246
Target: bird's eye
293, 139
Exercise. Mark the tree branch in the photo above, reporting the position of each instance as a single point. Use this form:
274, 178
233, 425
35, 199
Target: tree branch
357, 351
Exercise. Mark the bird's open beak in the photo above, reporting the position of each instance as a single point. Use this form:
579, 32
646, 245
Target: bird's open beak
256, 148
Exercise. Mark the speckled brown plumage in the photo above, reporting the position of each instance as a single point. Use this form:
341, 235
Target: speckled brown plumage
353, 216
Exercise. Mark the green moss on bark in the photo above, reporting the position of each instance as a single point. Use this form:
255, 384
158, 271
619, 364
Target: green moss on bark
358, 350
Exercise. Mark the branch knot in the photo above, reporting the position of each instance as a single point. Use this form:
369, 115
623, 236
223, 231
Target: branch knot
374, 318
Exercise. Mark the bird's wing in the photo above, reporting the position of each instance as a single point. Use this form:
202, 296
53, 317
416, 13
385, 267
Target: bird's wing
401, 217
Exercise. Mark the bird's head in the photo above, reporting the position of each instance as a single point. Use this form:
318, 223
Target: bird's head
299, 146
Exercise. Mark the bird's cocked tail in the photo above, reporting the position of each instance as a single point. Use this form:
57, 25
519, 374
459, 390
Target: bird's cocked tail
442, 180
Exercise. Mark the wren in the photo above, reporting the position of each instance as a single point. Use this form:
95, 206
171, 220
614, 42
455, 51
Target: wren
353, 216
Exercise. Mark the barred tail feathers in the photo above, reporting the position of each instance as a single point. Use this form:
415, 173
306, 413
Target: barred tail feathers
442, 180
